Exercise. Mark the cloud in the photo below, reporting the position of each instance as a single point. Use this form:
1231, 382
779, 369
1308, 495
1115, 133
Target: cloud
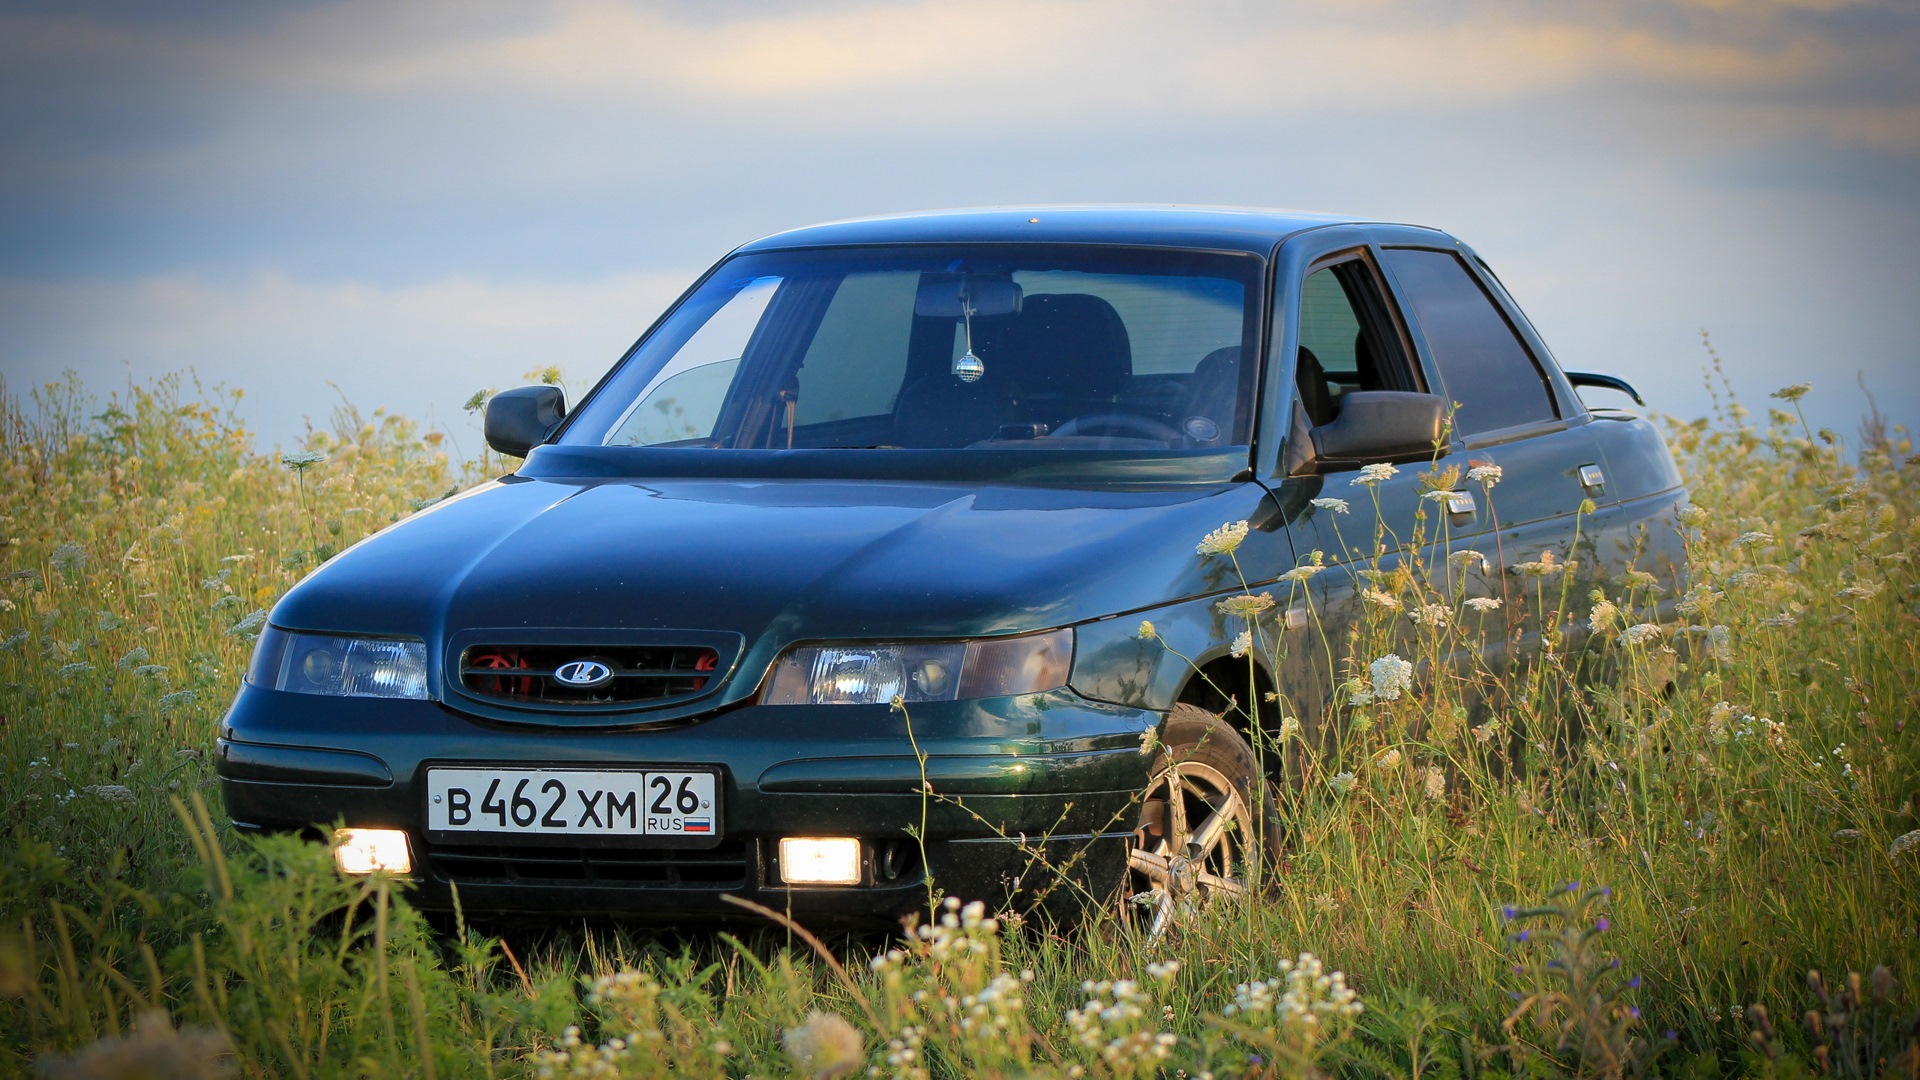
418, 350
1017, 57
989, 60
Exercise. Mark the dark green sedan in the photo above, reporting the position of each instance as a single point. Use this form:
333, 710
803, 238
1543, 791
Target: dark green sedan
891, 559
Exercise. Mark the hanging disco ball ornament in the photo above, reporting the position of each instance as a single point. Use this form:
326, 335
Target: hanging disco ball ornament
968, 367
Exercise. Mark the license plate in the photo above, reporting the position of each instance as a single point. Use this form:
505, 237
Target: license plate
666, 803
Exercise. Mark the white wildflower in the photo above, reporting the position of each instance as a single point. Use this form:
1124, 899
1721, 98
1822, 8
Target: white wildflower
1437, 495
1748, 539
1243, 643
1302, 572
1642, 633
1720, 643
825, 1046
1865, 590
1338, 506
1698, 600
1388, 760
1546, 566
1436, 784
1434, 615
1485, 475
1392, 676
1289, 728
1385, 600
1325, 904
1486, 732
68, 559
112, 793
1246, 605
1374, 474
1484, 604
1146, 631
1464, 561
1601, 618
1340, 782
1223, 540
1904, 843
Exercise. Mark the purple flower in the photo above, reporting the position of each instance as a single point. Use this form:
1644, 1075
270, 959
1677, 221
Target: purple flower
1602, 925
1573, 886
1672, 1035
1521, 936
1635, 1011
1633, 983
1509, 911
1606, 890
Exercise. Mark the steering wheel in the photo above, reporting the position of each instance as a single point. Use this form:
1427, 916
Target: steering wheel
1124, 423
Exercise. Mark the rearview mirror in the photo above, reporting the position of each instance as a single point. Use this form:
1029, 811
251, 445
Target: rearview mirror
520, 419
1380, 425
947, 296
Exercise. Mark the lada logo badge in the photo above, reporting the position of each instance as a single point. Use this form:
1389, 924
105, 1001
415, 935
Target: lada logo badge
584, 674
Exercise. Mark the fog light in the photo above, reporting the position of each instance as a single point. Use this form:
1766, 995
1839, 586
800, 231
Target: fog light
831, 860
362, 851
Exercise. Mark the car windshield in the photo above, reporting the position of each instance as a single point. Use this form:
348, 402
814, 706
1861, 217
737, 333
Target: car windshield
1001, 345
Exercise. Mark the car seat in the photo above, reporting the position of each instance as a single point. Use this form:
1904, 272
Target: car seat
1070, 353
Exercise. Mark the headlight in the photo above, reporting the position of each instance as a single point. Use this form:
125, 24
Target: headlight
943, 671
339, 666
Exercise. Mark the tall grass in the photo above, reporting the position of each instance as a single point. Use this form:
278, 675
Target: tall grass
1633, 875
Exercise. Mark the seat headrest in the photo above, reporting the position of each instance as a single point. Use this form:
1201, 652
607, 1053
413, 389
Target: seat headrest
1070, 344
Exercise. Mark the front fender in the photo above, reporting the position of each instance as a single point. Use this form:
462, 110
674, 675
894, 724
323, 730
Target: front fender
1145, 659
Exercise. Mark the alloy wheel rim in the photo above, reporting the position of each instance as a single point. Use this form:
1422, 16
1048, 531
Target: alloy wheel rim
1198, 847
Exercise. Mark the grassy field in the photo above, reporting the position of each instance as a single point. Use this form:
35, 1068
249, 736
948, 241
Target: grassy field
1634, 875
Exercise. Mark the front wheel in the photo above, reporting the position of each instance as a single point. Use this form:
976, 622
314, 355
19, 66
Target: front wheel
1207, 825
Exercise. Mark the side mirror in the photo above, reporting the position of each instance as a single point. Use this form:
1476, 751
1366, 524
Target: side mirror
1380, 425
521, 418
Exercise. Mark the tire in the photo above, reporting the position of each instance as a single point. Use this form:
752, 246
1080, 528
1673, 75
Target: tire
1179, 862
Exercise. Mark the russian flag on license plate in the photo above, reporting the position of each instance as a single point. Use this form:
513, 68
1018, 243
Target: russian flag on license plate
697, 824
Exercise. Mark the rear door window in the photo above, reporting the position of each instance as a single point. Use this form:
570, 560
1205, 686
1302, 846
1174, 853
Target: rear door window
1481, 362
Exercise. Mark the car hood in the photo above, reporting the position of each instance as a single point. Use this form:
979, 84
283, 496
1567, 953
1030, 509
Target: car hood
774, 561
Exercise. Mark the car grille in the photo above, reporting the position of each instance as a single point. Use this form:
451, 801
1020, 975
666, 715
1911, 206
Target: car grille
722, 867
644, 674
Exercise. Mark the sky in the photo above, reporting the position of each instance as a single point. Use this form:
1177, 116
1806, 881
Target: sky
400, 204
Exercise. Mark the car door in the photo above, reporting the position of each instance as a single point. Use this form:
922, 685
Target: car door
1515, 412
1379, 527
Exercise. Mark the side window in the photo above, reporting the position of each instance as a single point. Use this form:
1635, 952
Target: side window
684, 399
1481, 362
1344, 343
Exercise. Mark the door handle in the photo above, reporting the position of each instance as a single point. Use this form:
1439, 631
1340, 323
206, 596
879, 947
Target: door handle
1460, 506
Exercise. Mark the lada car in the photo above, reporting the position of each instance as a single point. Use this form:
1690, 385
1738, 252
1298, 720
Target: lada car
880, 565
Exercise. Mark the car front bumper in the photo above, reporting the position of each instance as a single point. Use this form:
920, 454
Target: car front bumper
1015, 801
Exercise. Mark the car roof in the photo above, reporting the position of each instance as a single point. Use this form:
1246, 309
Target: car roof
1223, 228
